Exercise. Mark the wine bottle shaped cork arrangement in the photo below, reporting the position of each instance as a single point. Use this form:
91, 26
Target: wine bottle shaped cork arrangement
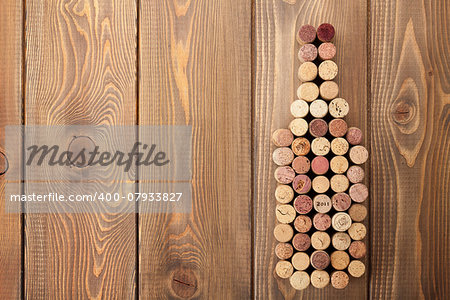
320, 195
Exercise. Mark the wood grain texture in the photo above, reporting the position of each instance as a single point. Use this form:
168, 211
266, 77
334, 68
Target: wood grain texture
410, 113
10, 114
195, 68
80, 69
276, 82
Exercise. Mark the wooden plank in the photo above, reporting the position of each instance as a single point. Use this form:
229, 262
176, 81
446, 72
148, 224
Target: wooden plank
410, 115
80, 69
275, 87
195, 68
10, 114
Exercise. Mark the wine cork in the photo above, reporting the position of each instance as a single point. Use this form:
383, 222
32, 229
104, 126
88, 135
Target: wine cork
303, 204
283, 233
337, 127
327, 70
357, 231
329, 90
298, 126
284, 250
320, 279
322, 203
284, 193
357, 249
282, 137
320, 165
284, 269
341, 201
299, 109
284, 175
341, 221
354, 136
340, 260
306, 34
308, 91
357, 212
300, 261
301, 146
339, 164
320, 240
301, 164
301, 241
326, 51
341, 241
356, 268
307, 71
320, 146
339, 280
302, 223
358, 154
320, 259
320, 184
355, 174
322, 221
301, 184
358, 192
283, 156
285, 213
338, 108
308, 52
339, 183
325, 32
318, 127
339, 146
299, 280
318, 108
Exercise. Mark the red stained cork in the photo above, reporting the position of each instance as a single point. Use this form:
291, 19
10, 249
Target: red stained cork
307, 52
355, 174
357, 249
303, 223
322, 221
320, 165
358, 192
301, 164
325, 32
303, 204
320, 259
337, 127
301, 242
284, 175
301, 184
301, 146
341, 201
354, 136
327, 51
318, 127
306, 34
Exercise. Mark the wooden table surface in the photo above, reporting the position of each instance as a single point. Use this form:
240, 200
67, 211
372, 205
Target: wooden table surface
228, 68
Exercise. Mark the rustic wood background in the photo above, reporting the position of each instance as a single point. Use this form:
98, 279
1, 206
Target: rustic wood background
228, 68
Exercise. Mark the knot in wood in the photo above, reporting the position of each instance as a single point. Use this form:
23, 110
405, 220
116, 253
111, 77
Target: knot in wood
77, 144
184, 283
403, 112
4, 165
